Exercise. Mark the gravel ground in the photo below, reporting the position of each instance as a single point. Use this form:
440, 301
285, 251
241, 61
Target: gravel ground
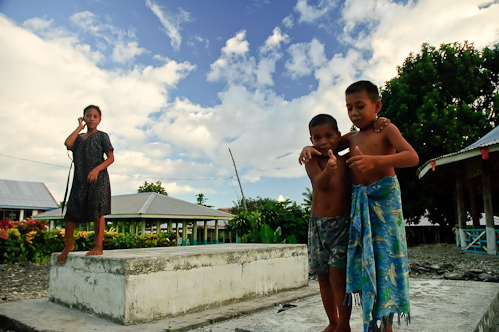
31, 281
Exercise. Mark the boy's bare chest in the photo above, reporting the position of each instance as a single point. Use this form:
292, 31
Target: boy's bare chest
371, 143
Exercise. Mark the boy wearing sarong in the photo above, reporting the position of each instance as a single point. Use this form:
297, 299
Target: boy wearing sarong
377, 265
329, 220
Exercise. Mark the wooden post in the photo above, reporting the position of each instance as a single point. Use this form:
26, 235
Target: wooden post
142, 227
177, 231
205, 235
184, 233
489, 213
195, 232
475, 214
158, 227
461, 210
216, 231
169, 226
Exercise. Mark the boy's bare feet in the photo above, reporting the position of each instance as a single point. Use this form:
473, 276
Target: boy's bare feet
95, 252
330, 328
64, 254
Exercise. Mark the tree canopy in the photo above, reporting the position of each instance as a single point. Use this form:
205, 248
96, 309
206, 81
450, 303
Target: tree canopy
442, 100
151, 187
201, 200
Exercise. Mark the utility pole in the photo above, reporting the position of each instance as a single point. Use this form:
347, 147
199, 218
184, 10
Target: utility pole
237, 175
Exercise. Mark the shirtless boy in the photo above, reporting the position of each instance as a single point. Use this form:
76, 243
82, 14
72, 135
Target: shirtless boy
329, 221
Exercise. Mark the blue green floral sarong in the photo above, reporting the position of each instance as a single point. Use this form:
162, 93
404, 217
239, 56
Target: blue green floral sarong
377, 265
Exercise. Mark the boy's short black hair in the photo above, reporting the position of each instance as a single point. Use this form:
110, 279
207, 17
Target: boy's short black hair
89, 107
321, 119
367, 86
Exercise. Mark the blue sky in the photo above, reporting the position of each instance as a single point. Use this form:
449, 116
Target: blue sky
181, 82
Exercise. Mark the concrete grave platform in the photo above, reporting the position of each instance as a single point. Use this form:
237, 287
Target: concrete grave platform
143, 285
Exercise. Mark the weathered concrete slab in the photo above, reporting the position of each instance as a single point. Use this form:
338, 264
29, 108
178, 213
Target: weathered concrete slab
437, 305
144, 285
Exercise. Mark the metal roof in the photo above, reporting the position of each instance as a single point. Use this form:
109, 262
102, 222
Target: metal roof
490, 140
25, 195
151, 205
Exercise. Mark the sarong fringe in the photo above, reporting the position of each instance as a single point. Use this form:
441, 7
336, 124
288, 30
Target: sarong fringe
357, 299
385, 322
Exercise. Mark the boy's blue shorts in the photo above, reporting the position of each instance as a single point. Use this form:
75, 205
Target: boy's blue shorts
327, 243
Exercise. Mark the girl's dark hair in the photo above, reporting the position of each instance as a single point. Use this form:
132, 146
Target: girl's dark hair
321, 119
89, 107
367, 86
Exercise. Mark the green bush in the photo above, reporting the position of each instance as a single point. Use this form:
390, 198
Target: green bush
289, 221
30, 241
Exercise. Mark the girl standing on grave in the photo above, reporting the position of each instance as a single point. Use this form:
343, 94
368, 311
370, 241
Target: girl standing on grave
90, 197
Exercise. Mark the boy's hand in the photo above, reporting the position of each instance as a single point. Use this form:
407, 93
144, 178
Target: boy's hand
362, 163
92, 176
331, 163
306, 154
381, 123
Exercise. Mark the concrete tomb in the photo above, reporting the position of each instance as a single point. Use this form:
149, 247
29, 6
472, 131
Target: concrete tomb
142, 285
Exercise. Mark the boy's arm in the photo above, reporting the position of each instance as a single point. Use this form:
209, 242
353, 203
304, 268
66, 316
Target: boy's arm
307, 153
405, 156
71, 138
379, 125
321, 178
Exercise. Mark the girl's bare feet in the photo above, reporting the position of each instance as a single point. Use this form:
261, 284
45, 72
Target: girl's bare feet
95, 252
64, 254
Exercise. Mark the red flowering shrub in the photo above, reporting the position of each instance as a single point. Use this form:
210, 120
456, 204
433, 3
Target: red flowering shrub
4, 234
6, 224
29, 225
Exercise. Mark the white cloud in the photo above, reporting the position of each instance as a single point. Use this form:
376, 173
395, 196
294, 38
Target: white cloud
392, 30
171, 22
309, 14
288, 21
274, 41
234, 65
52, 75
305, 58
51, 81
236, 46
123, 43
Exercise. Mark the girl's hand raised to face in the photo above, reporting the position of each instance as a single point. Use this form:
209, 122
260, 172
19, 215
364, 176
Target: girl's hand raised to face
80, 123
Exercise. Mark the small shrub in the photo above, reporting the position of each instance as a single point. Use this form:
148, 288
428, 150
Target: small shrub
31, 241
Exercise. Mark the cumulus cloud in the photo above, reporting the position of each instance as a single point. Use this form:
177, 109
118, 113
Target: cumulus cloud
305, 57
51, 81
388, 31
234, 66
310, 13
54, 73
288, 21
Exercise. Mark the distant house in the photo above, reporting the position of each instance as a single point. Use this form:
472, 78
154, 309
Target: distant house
136, 211
22, 199
476, 169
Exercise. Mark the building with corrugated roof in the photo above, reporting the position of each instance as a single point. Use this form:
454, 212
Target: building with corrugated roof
138, 210
475, 168
22, 199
